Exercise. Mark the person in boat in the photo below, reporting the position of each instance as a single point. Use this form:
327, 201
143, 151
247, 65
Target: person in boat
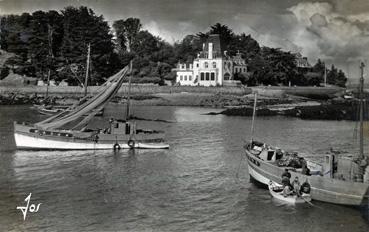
296, 186
286, 173
286, 176
305, 187
305, 169
286, 191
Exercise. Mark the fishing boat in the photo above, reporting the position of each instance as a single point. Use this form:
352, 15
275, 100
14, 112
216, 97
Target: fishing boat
52, 109
49, 109
338, 179
67, 130
276, 190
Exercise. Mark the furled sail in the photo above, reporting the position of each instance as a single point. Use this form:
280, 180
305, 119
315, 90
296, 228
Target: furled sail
107, 91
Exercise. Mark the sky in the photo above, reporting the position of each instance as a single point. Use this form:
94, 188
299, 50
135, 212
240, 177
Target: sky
337, 31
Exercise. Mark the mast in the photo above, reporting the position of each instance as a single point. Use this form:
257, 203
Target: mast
129, 84
51, 56
87, 67
253, 116
325, 76
129, 91
361, 96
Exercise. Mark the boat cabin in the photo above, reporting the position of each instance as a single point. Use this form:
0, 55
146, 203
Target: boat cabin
122, 127
265, 152
345, 168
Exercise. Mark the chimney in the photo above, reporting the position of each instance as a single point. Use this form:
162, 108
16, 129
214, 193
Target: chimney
210, 50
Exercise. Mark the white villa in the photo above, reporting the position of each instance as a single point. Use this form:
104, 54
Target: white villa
211, 67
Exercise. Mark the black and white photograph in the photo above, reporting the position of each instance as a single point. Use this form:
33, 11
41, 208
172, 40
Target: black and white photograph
184, 115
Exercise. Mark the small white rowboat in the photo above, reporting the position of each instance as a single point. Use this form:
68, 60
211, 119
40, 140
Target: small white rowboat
276, 190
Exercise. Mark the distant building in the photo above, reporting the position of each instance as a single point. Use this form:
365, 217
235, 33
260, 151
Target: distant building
44, 83
302, 63
212, 67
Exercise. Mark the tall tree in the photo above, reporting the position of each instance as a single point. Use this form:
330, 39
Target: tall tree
244, 44
127, 32
225, 34
45, 41
83, 27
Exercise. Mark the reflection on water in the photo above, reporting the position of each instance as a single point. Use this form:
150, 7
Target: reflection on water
200, 183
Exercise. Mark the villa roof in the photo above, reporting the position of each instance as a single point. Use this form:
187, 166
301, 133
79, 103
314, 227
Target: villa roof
215, 40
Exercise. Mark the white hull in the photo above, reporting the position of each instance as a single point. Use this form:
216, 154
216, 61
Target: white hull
257, 176
292, 199
322, 189
28, 142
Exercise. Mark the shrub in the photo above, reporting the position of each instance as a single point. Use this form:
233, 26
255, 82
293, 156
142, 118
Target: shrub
4, 72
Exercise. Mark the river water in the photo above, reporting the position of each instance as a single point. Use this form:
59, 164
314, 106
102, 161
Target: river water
200, 184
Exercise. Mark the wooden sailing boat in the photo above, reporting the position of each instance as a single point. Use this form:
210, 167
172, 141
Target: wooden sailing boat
66, 130
339, 180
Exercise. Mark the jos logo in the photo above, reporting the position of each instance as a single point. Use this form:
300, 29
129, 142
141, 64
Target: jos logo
31, 208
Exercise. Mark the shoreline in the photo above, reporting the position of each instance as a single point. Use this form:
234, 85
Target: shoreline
326, 103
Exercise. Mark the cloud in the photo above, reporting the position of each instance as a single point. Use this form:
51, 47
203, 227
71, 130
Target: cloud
171, 31
268, 30
334, 35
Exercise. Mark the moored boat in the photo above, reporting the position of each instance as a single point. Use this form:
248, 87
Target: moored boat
67, 130
339, 179
276, 190
263, 166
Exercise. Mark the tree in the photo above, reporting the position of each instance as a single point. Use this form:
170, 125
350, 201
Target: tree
332, 75
83, 27
145, 44
244, 44
188, 48
336, 77
225, 34
126, 32
45, 40
319, 67
312, 78
15, 34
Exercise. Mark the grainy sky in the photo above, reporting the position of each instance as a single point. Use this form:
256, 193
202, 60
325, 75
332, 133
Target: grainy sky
335, 30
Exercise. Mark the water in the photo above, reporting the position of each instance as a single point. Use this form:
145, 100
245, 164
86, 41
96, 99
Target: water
200, 184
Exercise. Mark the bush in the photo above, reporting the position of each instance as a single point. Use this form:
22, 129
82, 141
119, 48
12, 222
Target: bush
4, 72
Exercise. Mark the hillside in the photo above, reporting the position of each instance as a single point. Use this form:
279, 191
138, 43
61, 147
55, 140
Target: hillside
4, 55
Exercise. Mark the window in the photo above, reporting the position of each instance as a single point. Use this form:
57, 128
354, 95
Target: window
206, 65
244, 69
197, 65
181, 78
214, 64
202, 76
190, 78
207, 76
227, 76
185, 78
212, 76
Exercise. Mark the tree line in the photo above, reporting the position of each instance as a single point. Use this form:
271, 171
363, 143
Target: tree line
57, 42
